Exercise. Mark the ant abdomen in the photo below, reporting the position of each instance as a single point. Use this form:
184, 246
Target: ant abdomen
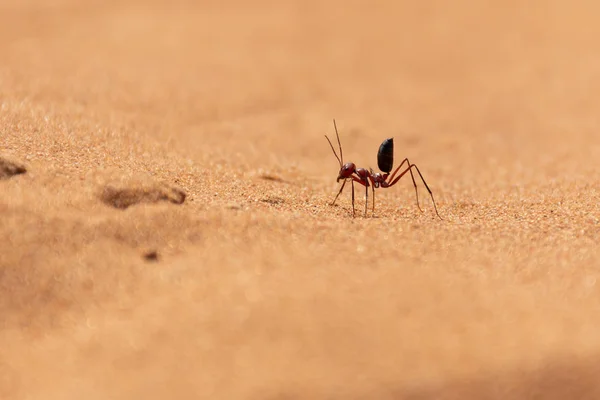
385, 155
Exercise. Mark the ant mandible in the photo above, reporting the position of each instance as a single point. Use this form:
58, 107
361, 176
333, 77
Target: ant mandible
385, 162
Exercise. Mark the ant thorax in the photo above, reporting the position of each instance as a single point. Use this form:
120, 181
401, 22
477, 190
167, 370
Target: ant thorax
363, 174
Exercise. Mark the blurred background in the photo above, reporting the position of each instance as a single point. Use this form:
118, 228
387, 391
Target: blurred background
467, 86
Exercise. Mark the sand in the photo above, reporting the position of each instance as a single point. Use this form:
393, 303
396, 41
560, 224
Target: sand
165, 187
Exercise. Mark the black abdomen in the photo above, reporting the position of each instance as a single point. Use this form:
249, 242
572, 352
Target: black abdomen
385, 155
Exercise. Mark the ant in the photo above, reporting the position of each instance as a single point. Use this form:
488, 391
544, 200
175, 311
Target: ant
385, 162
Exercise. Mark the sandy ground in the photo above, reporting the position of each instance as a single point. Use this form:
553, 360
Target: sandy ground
165, 185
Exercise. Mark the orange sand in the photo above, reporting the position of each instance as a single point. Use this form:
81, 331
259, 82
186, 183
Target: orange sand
172, 238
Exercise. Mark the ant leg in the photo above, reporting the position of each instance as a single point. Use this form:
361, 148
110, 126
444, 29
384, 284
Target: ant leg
423, 179
342, 188
373, 188
352, 198
413, 180
397, 169
362, 182
366, 199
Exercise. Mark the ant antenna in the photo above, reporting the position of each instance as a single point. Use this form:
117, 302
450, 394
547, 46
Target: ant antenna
331, 145
339, 144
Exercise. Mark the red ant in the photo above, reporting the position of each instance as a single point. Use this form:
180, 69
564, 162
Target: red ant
385, 162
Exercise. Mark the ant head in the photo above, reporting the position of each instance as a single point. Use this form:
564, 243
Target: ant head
346, 171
